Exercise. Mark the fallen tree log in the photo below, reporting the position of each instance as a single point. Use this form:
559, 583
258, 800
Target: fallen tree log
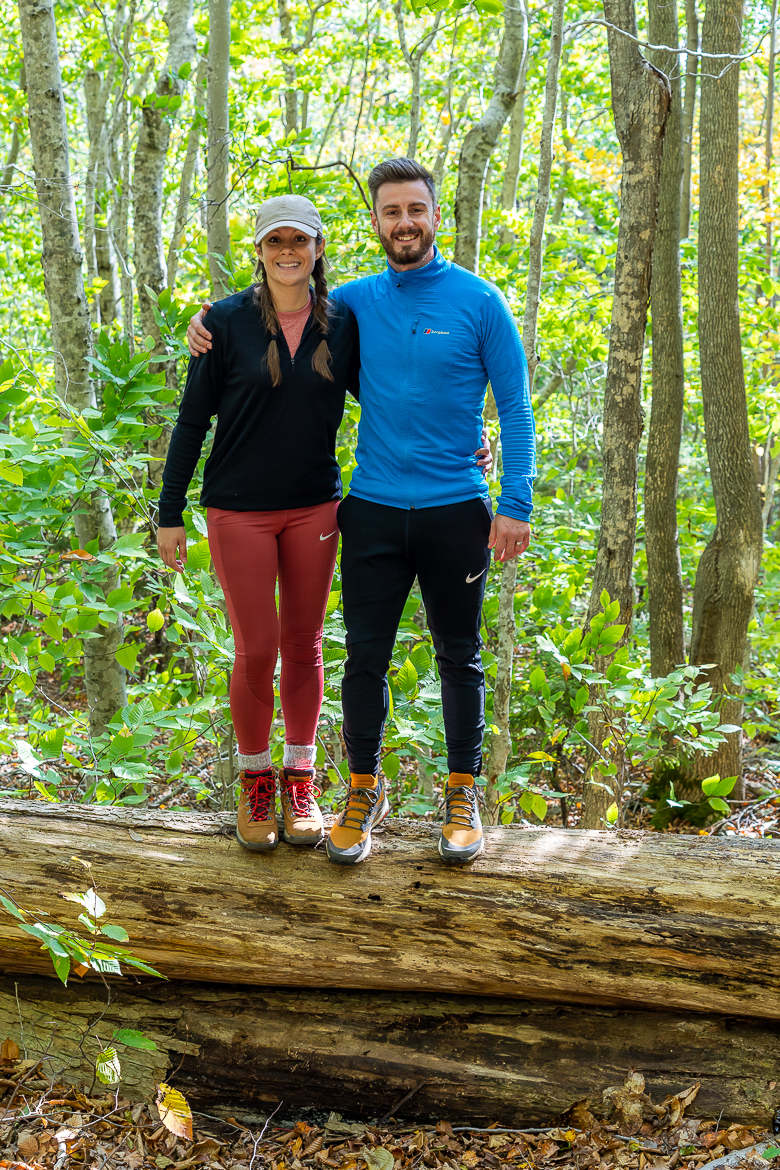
616, 918
471, 1060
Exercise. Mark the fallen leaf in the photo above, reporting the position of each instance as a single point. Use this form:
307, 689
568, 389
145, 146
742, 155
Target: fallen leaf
9, 1050
378, 1158
78, 554
627, 1103
27, 1144
175, 1113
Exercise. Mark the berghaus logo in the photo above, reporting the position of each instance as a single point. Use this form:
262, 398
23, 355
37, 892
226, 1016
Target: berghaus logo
440, 332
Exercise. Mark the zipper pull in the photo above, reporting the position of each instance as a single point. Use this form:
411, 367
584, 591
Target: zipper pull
414, 327
292, 363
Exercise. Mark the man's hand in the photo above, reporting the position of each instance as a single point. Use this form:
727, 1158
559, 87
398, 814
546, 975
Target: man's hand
172, 547
484, 455
510, 538
198, 338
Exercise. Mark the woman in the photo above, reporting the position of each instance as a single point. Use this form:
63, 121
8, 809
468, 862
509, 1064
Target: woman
281, 361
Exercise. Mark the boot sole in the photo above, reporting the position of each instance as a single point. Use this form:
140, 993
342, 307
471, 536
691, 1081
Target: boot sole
291, 840
342, 859
255, 846
459, 858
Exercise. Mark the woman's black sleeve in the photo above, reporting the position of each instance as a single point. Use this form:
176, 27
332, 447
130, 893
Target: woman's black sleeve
353, 385
198, 405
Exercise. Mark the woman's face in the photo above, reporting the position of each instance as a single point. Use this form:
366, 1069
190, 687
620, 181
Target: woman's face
288, 256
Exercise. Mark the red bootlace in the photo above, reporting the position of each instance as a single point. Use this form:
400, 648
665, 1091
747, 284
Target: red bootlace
301, 791
260, 792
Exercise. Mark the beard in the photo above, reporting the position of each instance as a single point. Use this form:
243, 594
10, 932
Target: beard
410, 253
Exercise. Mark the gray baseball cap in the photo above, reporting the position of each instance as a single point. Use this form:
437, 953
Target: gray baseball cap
295, 211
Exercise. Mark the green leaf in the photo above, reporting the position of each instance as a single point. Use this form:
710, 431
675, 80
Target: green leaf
767, 286
334, 597
12, 908
198, 556
12, 472
771, 1152
539, 756
714, 786
537, 678
406, 678
718, 804
605, 599
155, 620
134, 1039
538, 806
107, 1066
391, 765
127, 655
612, 635
613, 812
118, 933
61, 966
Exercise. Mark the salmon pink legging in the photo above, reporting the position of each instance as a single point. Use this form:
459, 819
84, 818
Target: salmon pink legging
250, 551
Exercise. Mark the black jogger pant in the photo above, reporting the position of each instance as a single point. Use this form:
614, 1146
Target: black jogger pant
382, 550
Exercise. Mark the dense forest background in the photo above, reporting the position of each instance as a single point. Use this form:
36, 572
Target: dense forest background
180, 121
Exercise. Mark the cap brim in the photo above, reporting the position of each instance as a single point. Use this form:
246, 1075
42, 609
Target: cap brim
292, 223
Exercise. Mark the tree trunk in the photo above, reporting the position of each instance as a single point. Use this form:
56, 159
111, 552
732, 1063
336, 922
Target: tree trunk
218, 229
479, 143
664, 570
187, 175
414, 59
688, 111
514, 154
475, 1061
769, 136
289, 70
624, 919
151, 159
728, 569
71, 332
640, 103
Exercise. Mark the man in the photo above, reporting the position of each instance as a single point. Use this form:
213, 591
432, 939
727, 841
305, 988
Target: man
432, 336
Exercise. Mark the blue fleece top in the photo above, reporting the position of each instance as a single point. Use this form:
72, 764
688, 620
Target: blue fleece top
430, 341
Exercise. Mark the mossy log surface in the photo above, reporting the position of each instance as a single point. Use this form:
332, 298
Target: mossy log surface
625, 919
471, 1060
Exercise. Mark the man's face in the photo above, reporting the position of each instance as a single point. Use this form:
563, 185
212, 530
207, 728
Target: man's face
406, 222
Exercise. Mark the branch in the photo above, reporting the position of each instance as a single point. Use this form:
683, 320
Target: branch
296, 166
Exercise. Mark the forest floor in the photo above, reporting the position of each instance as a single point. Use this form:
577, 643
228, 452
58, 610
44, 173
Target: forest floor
57, 1128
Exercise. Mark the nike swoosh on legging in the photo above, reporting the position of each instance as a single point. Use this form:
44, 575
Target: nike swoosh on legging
469, 578
333, 533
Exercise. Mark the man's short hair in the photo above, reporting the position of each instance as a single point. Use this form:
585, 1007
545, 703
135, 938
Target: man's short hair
399, 170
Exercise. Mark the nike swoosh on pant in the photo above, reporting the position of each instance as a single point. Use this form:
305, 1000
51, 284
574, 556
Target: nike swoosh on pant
469, 579
333, 533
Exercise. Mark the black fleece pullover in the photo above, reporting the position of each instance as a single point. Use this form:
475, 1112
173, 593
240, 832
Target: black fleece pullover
274, 446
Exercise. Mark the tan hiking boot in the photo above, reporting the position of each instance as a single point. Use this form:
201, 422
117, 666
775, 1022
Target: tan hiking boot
461, 835
257, 827
350, 838
302, 817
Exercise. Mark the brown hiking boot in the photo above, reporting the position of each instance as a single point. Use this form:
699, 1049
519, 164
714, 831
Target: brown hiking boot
350, 838
257, 827
461, 834
302, 817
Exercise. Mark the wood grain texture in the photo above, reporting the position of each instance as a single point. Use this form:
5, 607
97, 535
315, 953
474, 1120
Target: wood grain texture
622, 918
471, 1059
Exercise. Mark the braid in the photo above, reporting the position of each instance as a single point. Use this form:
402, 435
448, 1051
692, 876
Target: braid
265, 303
322, 356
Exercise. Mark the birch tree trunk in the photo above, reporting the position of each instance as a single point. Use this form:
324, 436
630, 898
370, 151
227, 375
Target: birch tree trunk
640, 103
501, 743
71, 332
514, 156
688, 111
150, 160
481, 139
728, 569
289, 70
217, 226
769, 136
187, 174
664, 570
414, 58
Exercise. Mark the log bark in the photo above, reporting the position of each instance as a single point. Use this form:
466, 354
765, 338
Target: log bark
688, 111
71, 333
472, 1060
664, 568
728, 569
621, 918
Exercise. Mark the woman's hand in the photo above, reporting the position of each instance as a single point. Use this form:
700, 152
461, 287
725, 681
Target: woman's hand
484, 455
172, 547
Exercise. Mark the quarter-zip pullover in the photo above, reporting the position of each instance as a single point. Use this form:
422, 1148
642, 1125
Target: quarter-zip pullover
430, 341
274, 446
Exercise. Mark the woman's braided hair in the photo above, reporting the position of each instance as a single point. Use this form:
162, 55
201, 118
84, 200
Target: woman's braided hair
265, 304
